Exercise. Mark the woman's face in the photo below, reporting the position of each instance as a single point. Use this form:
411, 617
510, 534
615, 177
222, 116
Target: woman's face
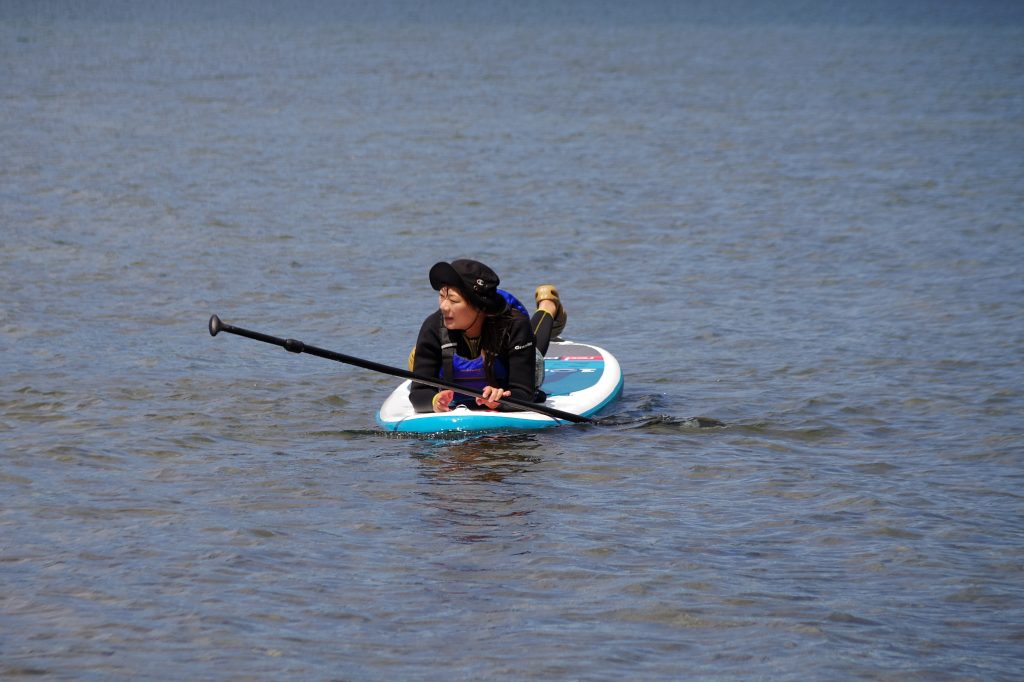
458, 313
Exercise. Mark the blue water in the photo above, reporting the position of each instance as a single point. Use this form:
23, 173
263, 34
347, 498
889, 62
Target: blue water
800, 220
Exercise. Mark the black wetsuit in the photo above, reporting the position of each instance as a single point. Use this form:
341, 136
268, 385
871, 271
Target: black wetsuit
520, 357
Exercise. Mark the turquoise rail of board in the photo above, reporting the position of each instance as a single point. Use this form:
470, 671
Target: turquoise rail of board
578, 378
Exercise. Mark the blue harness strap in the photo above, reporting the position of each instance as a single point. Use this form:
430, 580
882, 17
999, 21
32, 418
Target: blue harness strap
466, 372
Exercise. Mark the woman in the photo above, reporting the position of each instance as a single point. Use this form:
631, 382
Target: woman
480, 338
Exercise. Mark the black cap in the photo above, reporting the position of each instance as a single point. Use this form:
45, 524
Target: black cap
476, 281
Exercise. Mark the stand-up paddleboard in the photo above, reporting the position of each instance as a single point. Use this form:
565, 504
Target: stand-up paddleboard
578, 378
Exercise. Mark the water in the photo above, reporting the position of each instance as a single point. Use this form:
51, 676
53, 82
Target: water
801, 220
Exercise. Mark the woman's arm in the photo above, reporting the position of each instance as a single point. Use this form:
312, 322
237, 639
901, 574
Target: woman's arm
522, 363
426, 363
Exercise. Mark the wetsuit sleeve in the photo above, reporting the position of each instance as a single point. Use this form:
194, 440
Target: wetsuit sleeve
522, 363
426, 363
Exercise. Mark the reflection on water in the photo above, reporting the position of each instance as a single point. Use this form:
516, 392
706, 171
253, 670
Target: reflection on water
471, 483
500, 454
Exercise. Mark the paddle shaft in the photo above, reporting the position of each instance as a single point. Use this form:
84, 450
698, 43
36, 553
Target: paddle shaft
217, 326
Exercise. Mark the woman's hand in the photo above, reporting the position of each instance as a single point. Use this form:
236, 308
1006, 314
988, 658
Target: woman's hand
442, 401
492, 394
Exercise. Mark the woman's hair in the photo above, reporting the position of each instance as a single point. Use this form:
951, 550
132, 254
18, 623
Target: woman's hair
495, 338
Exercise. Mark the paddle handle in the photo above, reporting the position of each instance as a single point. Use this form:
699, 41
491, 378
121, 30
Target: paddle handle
294, 346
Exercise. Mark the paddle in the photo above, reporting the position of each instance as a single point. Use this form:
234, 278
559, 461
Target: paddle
216, 326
